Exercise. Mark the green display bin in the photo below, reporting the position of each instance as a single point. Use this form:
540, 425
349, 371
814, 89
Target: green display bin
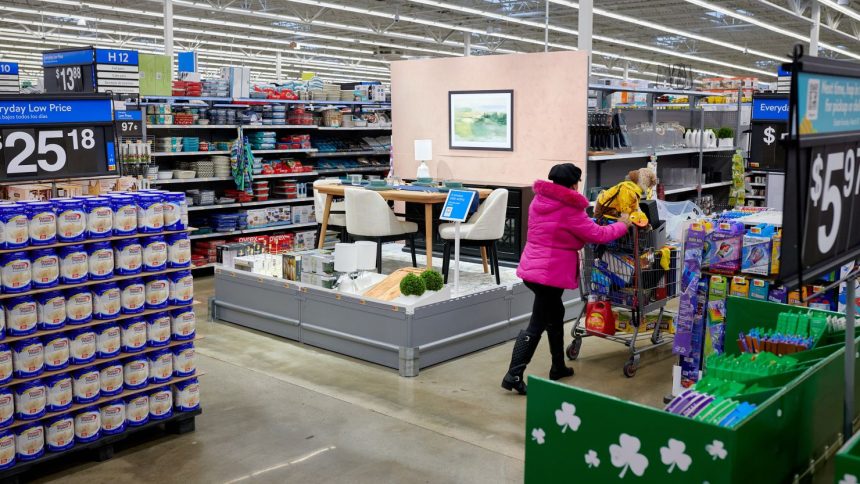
155, 75
848, 462
575, 435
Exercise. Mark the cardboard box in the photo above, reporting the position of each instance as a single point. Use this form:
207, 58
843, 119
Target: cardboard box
19, 193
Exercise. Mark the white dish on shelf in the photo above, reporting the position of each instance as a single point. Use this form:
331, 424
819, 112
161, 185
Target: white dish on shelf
184, 174
165, 175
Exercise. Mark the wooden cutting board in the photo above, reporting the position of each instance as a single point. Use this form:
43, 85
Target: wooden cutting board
389, 288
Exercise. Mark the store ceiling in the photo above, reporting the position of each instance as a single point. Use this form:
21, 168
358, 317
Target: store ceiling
357, 39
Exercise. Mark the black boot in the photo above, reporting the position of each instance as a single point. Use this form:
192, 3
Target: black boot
524, 349
555, 336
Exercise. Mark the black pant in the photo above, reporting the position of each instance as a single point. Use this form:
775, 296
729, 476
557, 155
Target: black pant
548, 309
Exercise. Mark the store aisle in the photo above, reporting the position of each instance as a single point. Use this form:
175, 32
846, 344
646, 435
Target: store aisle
277, 411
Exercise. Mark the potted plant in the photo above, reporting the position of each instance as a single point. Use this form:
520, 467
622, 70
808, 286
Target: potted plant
412, 287
726, 137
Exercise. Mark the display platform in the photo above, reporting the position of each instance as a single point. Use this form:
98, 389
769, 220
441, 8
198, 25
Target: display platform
400, 336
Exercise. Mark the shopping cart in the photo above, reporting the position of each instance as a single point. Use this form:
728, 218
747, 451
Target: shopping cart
635, 274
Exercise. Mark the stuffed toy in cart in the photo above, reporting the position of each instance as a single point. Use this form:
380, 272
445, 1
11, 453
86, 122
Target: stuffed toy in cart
625, 196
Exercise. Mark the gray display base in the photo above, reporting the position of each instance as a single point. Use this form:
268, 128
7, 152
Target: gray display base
396, 336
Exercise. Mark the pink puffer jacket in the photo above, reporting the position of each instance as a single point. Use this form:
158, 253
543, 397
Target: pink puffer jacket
558, 229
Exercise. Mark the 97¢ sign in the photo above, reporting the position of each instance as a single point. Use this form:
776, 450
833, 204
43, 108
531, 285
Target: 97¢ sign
63, 138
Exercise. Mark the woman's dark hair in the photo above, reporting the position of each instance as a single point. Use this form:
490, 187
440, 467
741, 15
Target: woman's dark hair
565, 174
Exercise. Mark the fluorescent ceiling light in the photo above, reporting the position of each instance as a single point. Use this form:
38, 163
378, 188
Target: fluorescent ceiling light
841, 8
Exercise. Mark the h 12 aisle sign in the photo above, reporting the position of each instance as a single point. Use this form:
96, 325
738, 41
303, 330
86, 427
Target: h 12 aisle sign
822, 225
91, 70
52, 137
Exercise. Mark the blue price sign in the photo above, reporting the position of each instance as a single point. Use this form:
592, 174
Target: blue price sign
59, 111
67, 58
8, 68
770, 109
116, 56
128, 116
457, 204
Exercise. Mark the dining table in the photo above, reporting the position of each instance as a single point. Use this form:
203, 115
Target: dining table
427, 198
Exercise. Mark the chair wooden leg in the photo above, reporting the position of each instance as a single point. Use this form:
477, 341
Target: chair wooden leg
496, 263
379, 256
412, 250
484, 258
319, 234
446, 260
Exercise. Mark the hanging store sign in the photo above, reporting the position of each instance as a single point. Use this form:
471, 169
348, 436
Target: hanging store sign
821, 230
9, 81
768, 128
91, 70
53, 137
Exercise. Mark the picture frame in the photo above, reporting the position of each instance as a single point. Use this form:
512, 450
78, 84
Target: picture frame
481, 120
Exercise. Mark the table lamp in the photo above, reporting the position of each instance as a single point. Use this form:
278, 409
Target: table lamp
366, 255
423, 153
346, 261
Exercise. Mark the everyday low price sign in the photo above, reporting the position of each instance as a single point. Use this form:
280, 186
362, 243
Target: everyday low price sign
822, 225
49, 138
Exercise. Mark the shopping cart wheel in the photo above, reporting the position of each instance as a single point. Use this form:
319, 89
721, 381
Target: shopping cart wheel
574, 347
631, 366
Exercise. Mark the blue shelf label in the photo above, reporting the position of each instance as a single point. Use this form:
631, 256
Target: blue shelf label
111, 156
770, 109
116, 56
782, 72
827, 104
457, 204
128, 116
8, 68
58, 111
69, 58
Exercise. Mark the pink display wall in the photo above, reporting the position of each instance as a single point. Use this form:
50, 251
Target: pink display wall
550, 99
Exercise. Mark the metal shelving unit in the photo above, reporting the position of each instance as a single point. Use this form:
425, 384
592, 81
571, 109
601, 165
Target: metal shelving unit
256, 230
276, 201
324, 154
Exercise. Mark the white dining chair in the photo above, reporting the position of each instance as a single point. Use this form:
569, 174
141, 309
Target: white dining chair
337, 213
483, 229
368, 217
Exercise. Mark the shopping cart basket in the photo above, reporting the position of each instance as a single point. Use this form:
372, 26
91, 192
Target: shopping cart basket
637, 274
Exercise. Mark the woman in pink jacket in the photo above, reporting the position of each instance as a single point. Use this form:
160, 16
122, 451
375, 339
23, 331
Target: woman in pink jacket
558, 229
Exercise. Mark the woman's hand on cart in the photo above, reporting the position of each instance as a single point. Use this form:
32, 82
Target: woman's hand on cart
625, 219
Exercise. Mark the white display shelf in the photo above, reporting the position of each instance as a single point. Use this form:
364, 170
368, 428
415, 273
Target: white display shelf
758, 184
285, 175
303, 150
277, 201
252, 231
191, 126
329, 154
189, 153
191, 180
646, 154
363, 169
693, 188
278, 126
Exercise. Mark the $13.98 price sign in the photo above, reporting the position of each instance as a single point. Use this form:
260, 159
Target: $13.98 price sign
71, 137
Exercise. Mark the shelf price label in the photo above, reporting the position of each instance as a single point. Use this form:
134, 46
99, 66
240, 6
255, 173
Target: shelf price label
821, 226
51, 139
129, 124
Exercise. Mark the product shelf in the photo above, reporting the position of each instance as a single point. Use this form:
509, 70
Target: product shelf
252, 231
191, 126
99, 361
189, 153
355, 128
172, 181
364, 169
278, 126
90, 241
328, 154
91, 282
94, 322
693, 188
276, 201
303, 150
126, 393
646, 154
285, 175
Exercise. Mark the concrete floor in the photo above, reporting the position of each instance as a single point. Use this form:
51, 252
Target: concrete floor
278, 411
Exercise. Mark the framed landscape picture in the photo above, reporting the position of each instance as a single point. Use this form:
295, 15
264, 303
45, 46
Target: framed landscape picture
481, 120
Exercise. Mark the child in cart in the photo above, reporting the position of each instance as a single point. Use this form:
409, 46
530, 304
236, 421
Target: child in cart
558, 228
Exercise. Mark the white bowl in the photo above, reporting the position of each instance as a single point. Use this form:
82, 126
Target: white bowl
165, 175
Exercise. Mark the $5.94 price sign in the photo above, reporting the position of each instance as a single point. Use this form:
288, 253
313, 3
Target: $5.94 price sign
821, 225
70, 137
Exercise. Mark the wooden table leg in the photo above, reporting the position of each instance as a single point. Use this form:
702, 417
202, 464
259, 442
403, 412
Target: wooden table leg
484, 259
428, 233
324, 228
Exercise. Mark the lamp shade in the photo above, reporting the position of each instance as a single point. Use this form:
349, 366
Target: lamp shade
366, 254
345, 257
423, 150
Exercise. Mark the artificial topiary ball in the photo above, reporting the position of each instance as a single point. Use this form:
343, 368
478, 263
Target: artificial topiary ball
433, 280
412, 285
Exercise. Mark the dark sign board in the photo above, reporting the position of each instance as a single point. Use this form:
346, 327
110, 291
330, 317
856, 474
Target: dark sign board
821, 226
54, 136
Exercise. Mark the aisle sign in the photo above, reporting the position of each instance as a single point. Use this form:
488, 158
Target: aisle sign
116, 56
822, 226
51, 137
68, 71
457, 204
128, 124
9, 82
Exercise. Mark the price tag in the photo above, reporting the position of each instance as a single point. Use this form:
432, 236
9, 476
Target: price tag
62, 138
821, 226
68, 71
129, 124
